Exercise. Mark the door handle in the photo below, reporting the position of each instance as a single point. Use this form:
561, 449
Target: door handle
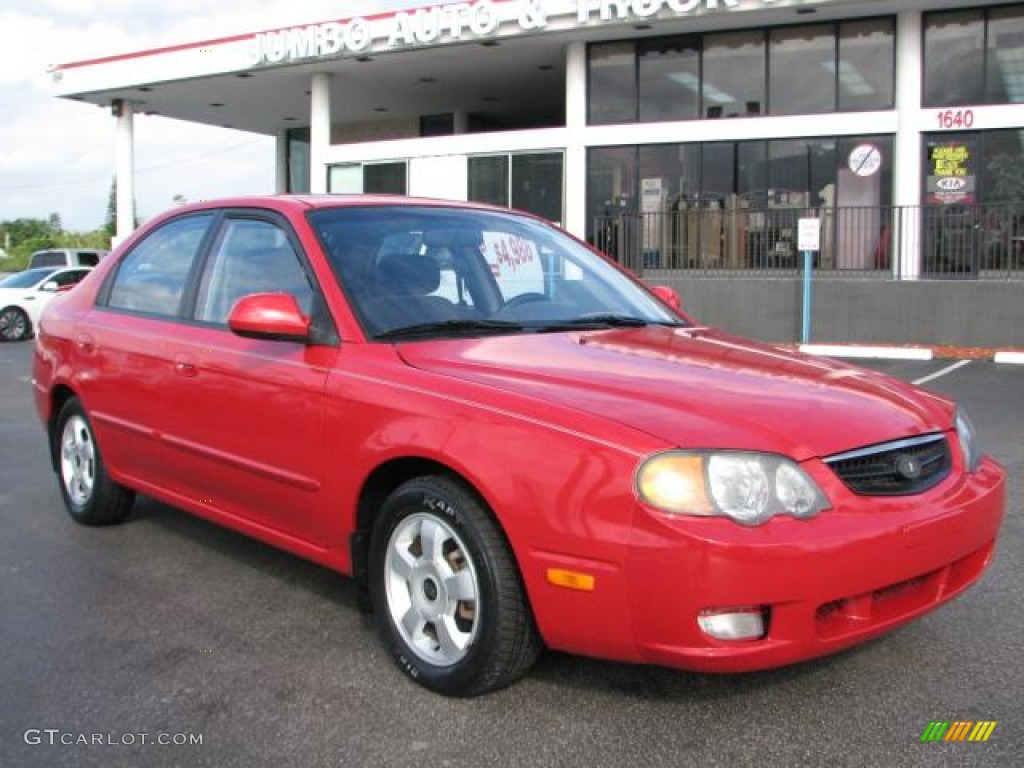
185, 366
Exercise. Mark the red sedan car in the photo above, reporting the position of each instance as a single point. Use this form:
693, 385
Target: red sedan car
505, 440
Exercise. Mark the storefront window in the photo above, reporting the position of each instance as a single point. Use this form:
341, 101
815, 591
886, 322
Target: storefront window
954, 62
1006, 55
814, 69
488, 179
611, 194
802, 62
669, 79
370, 178
384, 178
865, 68
752, 173
802, 172
536, 184
1003, 170
298, 160
734, 74
612, 86
529, 182
735, 204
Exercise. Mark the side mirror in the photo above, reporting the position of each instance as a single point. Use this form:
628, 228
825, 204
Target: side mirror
49, 286
269, 316
669, 296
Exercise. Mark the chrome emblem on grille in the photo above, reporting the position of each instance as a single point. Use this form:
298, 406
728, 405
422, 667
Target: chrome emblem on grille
907, 467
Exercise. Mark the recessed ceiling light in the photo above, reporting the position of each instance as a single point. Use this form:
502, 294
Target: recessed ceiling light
489, 43
546, 67
428, 79
380, 109
489, 98
805, 11
144, 88
641, 27
364, 59
289, 119
216, 104
244, 74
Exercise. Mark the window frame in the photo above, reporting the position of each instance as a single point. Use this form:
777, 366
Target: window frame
323, 330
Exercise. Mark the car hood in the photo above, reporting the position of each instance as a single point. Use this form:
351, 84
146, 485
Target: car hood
696, 387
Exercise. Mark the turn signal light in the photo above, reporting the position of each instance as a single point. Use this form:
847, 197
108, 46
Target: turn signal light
561, 577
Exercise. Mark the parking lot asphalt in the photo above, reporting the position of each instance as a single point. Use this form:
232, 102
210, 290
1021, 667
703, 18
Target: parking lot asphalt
169, 626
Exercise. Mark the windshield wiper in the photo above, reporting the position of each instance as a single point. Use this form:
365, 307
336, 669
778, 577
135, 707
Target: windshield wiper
457, 327
597, 320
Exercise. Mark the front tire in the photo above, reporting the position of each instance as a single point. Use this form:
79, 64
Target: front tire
90, 495
446, 590
14, 325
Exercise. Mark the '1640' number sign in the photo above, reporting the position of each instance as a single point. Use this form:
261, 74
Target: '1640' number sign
955, 118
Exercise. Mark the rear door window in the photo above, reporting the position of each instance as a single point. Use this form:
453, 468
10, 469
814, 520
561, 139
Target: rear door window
151, 279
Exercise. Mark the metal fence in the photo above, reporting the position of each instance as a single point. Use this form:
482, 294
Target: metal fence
889, 242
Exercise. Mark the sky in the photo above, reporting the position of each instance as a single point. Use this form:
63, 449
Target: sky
57, 155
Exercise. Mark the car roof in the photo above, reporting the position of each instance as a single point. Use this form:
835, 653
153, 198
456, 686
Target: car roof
315, 202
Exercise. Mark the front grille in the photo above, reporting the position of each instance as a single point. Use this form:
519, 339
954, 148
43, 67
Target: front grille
899, 468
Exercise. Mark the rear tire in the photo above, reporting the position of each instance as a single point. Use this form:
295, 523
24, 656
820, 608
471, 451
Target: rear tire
14, 325
90, 496
447, 594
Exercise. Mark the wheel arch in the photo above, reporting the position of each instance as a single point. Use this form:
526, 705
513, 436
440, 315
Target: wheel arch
379, 484
60, 394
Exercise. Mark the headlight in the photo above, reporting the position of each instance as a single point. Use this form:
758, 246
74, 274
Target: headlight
747, 487
968, 441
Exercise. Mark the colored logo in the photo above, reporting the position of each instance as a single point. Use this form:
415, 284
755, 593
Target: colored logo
958, 730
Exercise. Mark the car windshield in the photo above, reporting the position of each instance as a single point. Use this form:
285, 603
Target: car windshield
428, 272
25, 279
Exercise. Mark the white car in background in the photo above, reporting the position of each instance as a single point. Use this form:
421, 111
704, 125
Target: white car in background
24, 294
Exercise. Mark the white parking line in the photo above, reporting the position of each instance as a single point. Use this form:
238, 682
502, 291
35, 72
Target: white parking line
1016, 358
943, 372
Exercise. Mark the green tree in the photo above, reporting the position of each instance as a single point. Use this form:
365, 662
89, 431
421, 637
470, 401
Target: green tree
110, 224
25, 236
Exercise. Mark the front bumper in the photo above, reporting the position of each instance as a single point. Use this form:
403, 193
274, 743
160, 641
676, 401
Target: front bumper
856, 571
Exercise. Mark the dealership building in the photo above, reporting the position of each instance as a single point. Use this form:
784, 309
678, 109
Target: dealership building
684, 137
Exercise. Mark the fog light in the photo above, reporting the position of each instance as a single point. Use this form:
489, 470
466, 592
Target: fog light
732, 623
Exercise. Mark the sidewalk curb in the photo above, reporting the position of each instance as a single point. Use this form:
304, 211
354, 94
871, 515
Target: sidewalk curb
1013, 358
870, 352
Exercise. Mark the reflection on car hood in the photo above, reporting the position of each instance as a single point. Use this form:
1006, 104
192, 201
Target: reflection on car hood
696, 387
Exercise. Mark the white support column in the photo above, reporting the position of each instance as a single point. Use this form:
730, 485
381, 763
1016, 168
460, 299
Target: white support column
281, 163
575, 171
125, 163
907, 147
319, 132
